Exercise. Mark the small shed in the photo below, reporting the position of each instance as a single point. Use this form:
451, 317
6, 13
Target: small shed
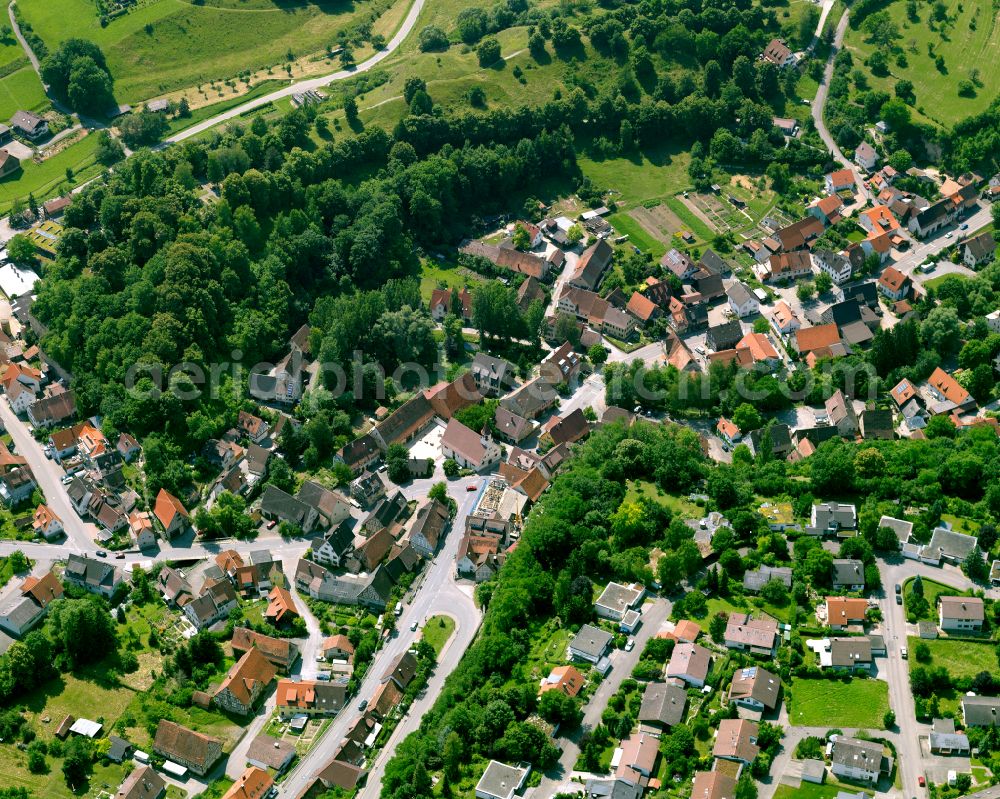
120, 749
813, 771
86, 728
64, 727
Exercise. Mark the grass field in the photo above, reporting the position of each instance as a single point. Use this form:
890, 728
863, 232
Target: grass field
171, 44
433, 273
832, 703
438, 630
679, 505
932, 590
961, 658
969, 40
809, 790
934, 282
21, 90
48, 178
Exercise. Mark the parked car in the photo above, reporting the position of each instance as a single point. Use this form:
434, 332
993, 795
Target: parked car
964, 226
101, 553
362, 705
630, 645
471, 487
899, 588
921, 781
902, 653
413, 627
899, 599
120, 556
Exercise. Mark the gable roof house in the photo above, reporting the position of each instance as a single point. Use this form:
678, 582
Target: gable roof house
331, 506
865, 156
359, 454
663, 706
523, 263
877, 423
980, 711
741, 300
754, 580
617, 599
217, 599
281, 506
467, 448
590, 268
566, 679
95, 576
336, 546
932, 218
894, 284
979, 249
427, 527
724, 336
53, 409
281, 607
295, 697
171, 514
368, 488
960, 613
837, 266
590, 644
848, 575
843, 612
690, 663
405, 423
949, 546
493, 376
758, 636
778, 53
279, 652
736, 740
195, 751
948, 393
142, 783
46, 524
755, 688
244, 684
790, 265
840, 411
839, 180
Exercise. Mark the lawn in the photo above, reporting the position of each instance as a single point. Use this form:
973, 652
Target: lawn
48, 178
548, 649
809, 790
960, 657
679, 505
934, 282
166, 45
932, 590
833, 703
437, 631
21, 90
433, 273
969, 41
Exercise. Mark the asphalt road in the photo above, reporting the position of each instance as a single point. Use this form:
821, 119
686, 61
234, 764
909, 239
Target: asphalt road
622, 663
306, 85
438, 593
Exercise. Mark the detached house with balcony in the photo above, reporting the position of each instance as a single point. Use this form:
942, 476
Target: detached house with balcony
960, 614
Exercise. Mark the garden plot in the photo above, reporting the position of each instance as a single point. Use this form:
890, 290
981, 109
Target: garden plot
659, 221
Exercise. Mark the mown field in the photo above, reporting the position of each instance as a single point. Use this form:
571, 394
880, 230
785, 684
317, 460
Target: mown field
172, 44
832, 703
969, 39
48, 179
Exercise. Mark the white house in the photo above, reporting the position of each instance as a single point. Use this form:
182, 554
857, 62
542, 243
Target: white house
960, 613
742, 300
855, 759
866, 157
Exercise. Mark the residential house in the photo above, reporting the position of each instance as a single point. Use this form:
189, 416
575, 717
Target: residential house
522, 263
758, 636
894, 284
791, 265
663, 706
724, 336
567, 429
682, 267
819, 340
944, 740
948, 393
775, 436
616, 600
840, 180
690, 663
427, 527
336, 546
832, 517
848, 575
866, 157
843, 612
214, 603
332, 507
25, 608
128, 447
281, 608
960, 613
736, 740
949, 546
639, 755
281, 506
30, 124
446, 301
932, 218
755, 689
174, 587
91, 574
244, 684
279, 652
171, 514
510, 427
469, 449
195, 751
848, 653
784, 320
642, 308
368, 489
877, 220
827, 209
500, 781
978, 250
590, 644
338, 647
494, 377
254, 783
742, 301
46, 524
840, 412
778, 53
980, 711
877, 423
447, 399
253, 427
479, 557
295, 697
755, 580
16, 486
590, 268
52, 409
385, 513
855, 759
359, 454
837, 266
797, 235
713, 785
142, 783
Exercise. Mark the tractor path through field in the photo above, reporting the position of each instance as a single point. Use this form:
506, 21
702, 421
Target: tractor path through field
23, 42
306, 85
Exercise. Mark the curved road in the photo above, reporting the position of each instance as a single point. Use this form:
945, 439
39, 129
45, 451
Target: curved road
819, 106
310, 83
22, 41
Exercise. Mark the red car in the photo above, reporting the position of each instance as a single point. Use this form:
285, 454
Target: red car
471, 488
921, 781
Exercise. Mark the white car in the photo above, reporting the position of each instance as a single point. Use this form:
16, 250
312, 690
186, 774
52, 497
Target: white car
630, 645
413, 627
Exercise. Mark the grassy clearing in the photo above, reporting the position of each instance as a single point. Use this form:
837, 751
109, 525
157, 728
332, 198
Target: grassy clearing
21, 90
171, 44
48, 178
962, 48
548, 650
960, 657
934, 282
433, 273
679, 505
809, 790
438, 630
832, 703
932, 590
